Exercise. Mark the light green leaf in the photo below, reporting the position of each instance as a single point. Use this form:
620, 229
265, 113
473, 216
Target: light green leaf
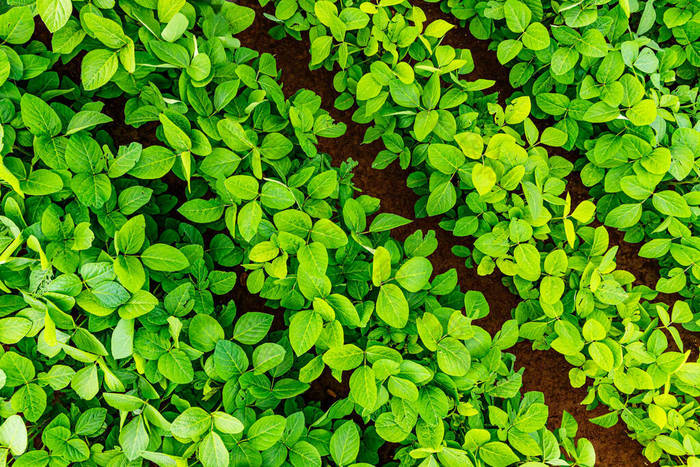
162, 257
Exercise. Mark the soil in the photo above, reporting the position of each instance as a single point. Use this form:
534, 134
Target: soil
546, 372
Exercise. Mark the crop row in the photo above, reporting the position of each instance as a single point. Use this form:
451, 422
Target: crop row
118, 257
621, 81
486, 170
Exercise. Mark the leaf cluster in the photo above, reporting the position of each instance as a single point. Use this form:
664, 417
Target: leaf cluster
621, 80
486, 170
121, 263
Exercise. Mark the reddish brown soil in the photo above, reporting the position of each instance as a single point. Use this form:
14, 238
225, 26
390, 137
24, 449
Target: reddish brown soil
545, 371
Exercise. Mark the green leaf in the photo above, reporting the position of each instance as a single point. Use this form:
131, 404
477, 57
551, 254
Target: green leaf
527, 260
430, 330
471, 144
267, 356
601, 112
507, 50
475, 304
58, 377
191, 424
569, 340
642, 113
403, 388
131, 236
671, 203
263, 252
388, 428
39, 117
553, 104
368, 87
225, 93
122, 343
554, 137
162, 257
229, 359
176, 366
447, 158
320, 49
601, 355
564, 60
610, 292
176, 137
414, 274
205, 332
438, 28
381, 266
97, 68
343, 357
483, 178
533, 419
134, 198
392, 307
126, 159
386, 221
275, 146
405, 95
169, 8
92, 190
242, 186
304, 330
13, 434
17, 25
31, 400
441, 199
110, 294
13, 329
239, 17
54, 13
85, 382
252, 327
425, 123
492, 245
175, 28
212, 451
133, 438
624, 216
518, 110
536, 37
329, 234
363, 387
345, 443
304, 453
173, 54
108, 32
452, 357
584, 211
266, 432
670, 445
344, 310
123, 402
497, 454
323, 185
647, 61
200, 67
227, 423
202, 211
517, 14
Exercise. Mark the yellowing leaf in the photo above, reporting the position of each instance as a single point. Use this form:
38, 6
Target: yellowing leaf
483, 178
